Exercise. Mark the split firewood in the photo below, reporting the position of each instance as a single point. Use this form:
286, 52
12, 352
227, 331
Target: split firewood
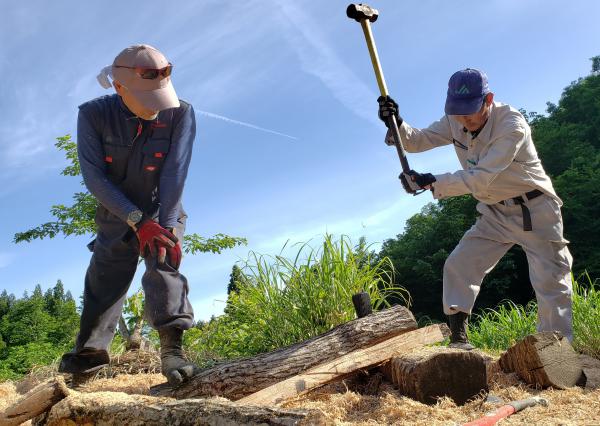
346, 364
35, 402
239, 378
428, 374
544, 359
117, 408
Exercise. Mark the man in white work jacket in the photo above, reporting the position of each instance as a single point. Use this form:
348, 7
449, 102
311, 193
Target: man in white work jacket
517, 202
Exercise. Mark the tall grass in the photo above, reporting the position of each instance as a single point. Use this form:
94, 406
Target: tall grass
586, 317
499, 329
283, 301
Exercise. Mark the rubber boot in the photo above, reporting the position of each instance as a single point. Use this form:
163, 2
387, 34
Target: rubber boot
174, 366
458, 329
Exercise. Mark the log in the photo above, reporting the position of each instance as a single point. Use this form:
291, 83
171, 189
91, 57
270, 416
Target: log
435, 372
117, 408
543, 360
345, 365
35, 402
238, 378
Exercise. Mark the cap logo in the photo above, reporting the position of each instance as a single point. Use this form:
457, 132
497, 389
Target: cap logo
464, 90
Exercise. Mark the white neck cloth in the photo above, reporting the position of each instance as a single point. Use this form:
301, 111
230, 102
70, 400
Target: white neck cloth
103, 77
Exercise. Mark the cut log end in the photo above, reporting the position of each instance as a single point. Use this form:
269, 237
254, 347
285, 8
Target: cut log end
432, 373
543, 360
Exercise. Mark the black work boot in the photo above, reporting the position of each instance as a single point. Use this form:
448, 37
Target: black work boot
83, 365
85, 361
458, 327
174, 366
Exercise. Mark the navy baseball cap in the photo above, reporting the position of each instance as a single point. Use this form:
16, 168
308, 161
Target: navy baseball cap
466, 91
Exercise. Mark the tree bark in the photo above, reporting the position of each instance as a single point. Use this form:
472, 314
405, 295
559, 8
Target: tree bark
434, 372
544, 359
116, 408
35, 402
345, 365
238, 378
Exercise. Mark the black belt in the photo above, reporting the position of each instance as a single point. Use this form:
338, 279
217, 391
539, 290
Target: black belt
521, 201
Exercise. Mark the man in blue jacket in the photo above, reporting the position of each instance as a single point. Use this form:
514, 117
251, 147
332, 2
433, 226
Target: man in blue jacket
134, 150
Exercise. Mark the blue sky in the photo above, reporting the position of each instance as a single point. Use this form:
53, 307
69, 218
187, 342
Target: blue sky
311, 158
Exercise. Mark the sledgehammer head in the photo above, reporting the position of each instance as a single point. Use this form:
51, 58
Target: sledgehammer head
360, 11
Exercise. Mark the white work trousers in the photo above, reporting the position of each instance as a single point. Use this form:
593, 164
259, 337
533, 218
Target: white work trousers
495, 232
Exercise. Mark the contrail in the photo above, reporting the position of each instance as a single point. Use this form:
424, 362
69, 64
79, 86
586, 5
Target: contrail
241, 123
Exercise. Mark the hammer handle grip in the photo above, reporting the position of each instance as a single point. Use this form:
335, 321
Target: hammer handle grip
398, 144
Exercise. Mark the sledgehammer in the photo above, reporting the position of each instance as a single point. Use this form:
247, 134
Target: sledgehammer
365, 14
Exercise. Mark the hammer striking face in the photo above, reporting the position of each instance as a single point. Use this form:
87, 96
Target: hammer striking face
360, 11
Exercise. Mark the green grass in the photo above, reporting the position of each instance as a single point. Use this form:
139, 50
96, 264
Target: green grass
497, 330
586, 317
285, 301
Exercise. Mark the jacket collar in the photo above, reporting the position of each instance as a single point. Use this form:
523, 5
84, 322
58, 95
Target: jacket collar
124, 110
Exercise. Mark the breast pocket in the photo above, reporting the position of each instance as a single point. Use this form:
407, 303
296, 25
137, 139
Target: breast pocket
155, 151
116, 158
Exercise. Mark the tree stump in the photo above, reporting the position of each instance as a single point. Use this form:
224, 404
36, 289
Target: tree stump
239, 378
543, 360
117, 408
431, 373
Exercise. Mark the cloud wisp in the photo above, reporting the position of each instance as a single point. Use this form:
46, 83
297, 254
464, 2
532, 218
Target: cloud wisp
244, 124
319, 59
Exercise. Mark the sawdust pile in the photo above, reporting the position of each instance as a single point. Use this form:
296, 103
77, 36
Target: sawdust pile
8, 394
573, 406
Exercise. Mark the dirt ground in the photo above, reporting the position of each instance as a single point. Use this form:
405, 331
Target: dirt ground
350, 403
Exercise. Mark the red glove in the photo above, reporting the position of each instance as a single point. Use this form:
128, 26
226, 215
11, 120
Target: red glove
174, 254
156, 241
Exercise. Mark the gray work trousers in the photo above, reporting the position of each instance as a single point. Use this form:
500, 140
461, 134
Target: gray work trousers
109, 275
495, 232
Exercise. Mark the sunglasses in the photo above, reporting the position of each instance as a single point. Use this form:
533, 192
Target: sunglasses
150, 73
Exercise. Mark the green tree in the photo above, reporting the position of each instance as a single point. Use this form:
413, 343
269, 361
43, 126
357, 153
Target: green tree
36, 329
6, 301
27, 321
235, 279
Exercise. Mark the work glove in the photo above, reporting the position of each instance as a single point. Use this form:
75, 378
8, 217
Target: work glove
388, 108
423, 180
174, 253
156, 241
